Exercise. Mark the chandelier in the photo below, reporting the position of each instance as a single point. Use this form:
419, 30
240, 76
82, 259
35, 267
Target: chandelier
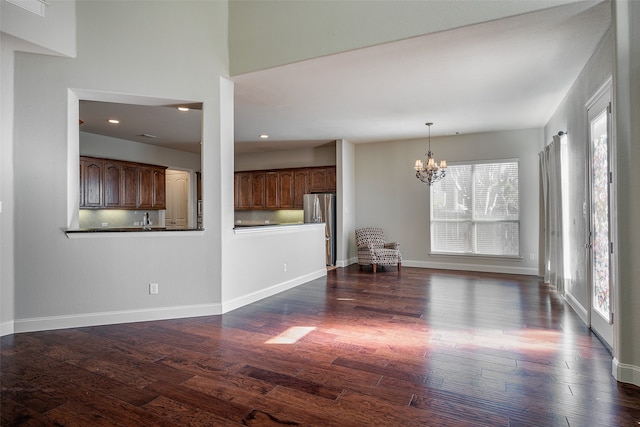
429, 172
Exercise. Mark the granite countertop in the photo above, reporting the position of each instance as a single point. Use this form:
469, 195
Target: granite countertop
262, 224
129, 229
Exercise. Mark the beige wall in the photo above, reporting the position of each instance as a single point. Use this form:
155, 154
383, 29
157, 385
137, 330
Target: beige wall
388, 194
626, 365
266, 34
571, 117
106, 280
323, 155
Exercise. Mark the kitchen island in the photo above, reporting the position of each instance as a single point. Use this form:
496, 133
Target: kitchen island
270, 258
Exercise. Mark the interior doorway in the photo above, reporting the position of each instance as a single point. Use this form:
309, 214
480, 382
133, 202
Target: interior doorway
600, 244
178, 213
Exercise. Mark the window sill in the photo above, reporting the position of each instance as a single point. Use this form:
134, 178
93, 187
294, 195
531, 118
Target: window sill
476, 256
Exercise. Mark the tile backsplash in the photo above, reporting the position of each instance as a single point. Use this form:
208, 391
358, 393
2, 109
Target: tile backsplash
269, 217
110, 218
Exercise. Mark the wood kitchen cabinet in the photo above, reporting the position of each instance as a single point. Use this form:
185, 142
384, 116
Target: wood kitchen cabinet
152, 187
300, 187
281, 188
271, 191
243, 190
129, 186
91, 173
112, 184
322, 179
285, 189
258, 181
145, 187
115, 184
159, 187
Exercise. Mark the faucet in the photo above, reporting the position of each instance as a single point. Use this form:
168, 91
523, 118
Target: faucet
146, 222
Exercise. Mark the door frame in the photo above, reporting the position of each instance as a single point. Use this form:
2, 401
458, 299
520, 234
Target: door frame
605, 330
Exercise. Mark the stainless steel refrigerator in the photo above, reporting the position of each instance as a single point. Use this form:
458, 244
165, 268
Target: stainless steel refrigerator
322, 208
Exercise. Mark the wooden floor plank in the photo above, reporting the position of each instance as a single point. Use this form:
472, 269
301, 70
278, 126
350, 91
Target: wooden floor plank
416, 347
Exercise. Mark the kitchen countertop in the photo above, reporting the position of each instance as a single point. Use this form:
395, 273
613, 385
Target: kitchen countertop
262, 224
129, 229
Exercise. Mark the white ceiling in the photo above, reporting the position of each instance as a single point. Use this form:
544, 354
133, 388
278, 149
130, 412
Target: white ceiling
171, 128
501, 75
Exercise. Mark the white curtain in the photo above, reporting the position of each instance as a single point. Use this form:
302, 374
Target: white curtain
550, 168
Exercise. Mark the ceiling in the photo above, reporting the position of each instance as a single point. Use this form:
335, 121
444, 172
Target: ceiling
501, 75
160, 125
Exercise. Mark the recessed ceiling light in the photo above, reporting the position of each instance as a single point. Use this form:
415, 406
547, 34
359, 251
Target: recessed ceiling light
264, 136
114, 121
148, 135
183, 109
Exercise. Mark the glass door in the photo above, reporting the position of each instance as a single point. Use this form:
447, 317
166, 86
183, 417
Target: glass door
600, 244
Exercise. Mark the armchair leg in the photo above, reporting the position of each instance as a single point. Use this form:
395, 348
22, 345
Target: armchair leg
374, 268
399, 266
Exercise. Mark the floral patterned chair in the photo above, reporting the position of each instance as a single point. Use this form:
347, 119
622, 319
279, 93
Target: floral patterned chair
374, 251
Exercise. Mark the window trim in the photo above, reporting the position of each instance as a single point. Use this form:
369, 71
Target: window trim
474, 221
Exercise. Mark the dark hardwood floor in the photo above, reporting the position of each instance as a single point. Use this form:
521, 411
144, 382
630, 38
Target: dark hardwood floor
415, 348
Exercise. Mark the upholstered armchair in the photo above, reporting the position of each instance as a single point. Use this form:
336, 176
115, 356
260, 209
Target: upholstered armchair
374, 251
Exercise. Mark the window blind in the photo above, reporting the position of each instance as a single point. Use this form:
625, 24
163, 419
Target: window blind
475, 210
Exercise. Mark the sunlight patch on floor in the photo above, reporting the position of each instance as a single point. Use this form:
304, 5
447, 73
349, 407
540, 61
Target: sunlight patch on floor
291, 335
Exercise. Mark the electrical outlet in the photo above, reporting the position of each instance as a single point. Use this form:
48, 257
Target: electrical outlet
532, 256
105, 224
284, 267
153, 289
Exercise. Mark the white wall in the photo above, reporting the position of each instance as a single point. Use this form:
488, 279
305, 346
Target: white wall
269, 260
388, 194
617, 56
7, 234
265, 34
323, 155
345, 200
54, 33
120, 149
253, 260
626, 363
132, 48
22, 31
571, 117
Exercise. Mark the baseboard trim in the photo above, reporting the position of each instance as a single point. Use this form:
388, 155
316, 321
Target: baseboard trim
238, 302
145, 315
471, 267
577, 307
114, 317
625, 373
6, 328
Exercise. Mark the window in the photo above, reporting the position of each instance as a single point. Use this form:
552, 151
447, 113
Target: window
475, 210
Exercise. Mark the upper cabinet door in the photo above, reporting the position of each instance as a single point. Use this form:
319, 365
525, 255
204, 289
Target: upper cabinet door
258, 190
285, 187
300, 187
112, 184
271, 190
244, 190
159, 188
145, 193
317, 180
323, 179
92, 185
129, 198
